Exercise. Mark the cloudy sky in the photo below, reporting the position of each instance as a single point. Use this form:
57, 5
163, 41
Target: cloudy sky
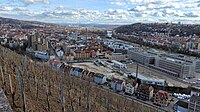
102, 11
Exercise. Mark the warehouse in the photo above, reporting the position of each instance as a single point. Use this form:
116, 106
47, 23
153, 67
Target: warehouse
187, 59
175, 67
150, 80
119, 64
142, 57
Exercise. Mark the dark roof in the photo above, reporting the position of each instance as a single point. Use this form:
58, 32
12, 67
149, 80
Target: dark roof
182, 104
99, 75
195, 98
117, 80
145, 88
85, 72
80, 70
91, 74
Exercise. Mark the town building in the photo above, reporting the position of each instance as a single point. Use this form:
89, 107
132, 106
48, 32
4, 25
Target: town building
161, 98
115, 56
75, 71
142, 57
149, 80
144, 92
81, 54
109, 33
194, 104
119, 64
117, 84
99, 78
184, 58
37, 42
195, 91
175, 67
181, 106
55, 64
130, 88
85, 74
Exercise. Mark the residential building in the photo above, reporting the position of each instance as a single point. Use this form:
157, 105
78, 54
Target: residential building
37, 42
144, 92
117, 84
99, 78
194, 104
75, 71
68, 56
85, 74
115, 56
54, 63
109, 33
161, 98
82, 54
130, 89
195, 91
181, 106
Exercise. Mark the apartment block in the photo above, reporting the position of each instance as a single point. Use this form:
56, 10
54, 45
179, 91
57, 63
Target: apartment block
144, 92
194, 104
161, 98
115, 56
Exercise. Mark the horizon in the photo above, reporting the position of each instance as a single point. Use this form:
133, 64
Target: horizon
109, 12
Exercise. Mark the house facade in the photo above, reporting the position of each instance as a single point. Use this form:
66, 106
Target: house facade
99, 78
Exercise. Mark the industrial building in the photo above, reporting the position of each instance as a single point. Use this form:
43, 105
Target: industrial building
119, 64
142, 57
172, 64
175, 67
150, 80
180, 57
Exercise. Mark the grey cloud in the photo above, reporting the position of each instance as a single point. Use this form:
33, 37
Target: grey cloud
27, 2
190, 14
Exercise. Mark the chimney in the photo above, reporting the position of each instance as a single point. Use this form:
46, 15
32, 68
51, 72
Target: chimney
136, 72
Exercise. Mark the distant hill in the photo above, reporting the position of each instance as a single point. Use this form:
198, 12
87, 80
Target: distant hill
89, 25
36, 24
24, 24
174, 29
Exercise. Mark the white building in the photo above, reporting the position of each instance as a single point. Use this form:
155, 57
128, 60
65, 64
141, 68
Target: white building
118, 64
109, 33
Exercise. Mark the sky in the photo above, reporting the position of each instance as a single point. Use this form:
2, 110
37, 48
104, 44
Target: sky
103, 11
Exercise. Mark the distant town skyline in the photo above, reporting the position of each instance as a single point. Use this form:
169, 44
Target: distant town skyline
102, 11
